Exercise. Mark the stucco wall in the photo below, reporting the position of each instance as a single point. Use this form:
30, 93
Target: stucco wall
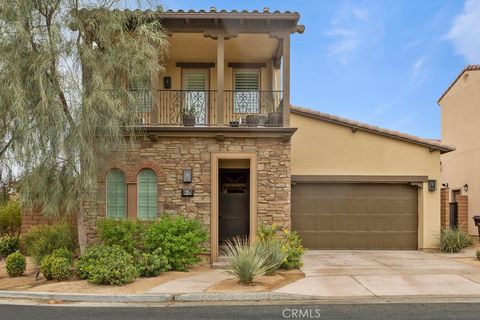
322, 148
461, 129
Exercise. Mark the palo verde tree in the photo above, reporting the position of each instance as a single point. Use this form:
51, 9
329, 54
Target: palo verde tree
63, 94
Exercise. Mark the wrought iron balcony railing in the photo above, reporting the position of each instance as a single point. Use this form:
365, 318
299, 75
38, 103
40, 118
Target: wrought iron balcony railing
169, 107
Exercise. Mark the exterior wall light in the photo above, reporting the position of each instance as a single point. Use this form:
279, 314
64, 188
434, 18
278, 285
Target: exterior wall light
465, 187
432, 185
187, 175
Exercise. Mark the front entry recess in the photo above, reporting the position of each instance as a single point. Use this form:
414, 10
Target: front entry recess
233, 203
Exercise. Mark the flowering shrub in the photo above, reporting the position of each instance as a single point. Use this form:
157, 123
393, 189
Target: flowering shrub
290, 242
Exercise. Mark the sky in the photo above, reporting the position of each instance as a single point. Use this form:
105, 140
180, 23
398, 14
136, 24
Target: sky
383, 62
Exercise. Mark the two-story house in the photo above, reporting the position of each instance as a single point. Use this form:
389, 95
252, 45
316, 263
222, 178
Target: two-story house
226, 147
461, 168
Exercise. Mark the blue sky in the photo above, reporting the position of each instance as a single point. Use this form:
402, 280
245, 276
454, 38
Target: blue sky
384, 62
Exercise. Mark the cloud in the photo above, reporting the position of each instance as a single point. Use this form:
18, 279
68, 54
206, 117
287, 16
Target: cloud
418, 72
348, 30
465, 32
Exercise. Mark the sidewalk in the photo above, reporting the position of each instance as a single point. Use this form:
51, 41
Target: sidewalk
348, 276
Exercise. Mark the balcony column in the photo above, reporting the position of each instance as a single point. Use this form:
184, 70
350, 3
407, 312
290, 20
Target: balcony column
286, 79
220, 78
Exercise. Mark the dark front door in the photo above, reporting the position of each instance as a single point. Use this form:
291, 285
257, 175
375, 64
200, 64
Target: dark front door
233, 203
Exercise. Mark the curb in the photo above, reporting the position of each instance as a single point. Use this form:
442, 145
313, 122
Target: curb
160, 297
86, 297
226, 297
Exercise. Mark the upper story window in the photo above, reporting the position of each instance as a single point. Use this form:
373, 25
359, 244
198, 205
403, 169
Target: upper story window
247, 86
147, 194
116, 194
141, 92
195, 102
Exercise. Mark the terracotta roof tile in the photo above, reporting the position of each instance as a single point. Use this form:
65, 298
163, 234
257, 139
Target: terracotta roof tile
469, 67
356, 125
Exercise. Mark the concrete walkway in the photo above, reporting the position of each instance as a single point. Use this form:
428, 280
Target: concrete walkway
386, 273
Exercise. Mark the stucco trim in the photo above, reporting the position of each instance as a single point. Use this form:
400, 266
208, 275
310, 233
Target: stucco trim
214, 225
356, 179
355, 125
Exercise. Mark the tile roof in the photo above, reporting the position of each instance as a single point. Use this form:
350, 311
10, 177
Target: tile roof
213, 11
355, 125
469, 67
265, 10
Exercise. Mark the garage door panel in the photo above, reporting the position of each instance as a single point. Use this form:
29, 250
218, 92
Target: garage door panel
355, 216
358, 223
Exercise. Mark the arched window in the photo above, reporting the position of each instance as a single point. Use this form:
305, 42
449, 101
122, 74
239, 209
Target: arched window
116, 194
147, 194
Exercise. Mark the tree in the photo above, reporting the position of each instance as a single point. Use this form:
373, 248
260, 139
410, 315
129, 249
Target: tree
63, 98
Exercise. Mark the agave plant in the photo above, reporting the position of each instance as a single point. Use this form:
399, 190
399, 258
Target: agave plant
275, 253
246, 260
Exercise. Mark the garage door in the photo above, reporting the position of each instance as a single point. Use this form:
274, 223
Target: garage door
355, 216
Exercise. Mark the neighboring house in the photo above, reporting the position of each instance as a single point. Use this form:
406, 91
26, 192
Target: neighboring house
461, 128
339, 183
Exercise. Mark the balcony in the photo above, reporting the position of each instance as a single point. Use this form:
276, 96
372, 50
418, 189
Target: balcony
199, 108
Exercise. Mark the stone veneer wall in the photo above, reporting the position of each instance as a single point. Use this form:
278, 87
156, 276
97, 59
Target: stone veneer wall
168, 156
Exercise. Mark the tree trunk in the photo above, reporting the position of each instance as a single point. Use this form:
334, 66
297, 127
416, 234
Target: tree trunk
81, 230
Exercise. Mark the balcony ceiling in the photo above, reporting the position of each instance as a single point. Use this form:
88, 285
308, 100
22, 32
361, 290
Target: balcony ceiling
194, 47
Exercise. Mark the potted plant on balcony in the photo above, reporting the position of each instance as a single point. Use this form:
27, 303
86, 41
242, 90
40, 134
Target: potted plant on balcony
275, 119
189, 117
252, 120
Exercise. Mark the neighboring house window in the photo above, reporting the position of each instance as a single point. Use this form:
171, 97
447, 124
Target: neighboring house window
147, 194
247, 87
116, 194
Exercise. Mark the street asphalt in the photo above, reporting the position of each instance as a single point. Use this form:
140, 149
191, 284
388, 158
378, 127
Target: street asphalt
390, 311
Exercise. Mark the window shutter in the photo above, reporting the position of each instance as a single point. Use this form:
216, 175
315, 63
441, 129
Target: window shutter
196, 81
147, 194
246, 96
246, 80
116, 194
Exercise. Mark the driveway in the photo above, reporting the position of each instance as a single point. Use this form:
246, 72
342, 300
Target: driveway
338, 273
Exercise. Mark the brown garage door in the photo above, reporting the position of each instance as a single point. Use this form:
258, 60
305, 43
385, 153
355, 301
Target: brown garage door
355, 216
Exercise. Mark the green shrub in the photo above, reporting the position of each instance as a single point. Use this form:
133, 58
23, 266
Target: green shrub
275, 254
15, 264
454, 240
267, 232
478, 254
102, 264
10, 218
179, 238
60, 268
42, 241
294, 250
8, 244
127, 234
150, 264
291, 244
246, 261
46, 266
